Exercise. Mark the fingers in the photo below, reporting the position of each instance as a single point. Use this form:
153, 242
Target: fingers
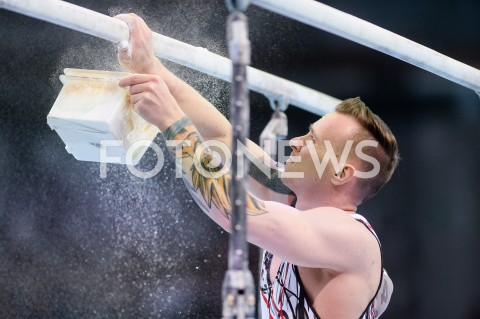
137, 55
123, 46
136, 79
134, 22
142, 86
135, 98
151, 99
139, 88
130, 19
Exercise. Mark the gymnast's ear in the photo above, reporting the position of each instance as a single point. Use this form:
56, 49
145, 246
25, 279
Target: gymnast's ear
344, 175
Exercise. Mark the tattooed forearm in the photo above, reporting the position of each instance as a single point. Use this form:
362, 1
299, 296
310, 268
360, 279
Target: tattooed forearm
176, 128
206, 179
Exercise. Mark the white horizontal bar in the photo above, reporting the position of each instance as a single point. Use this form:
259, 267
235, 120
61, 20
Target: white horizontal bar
71, 16
347, 26
270, 85
108, 28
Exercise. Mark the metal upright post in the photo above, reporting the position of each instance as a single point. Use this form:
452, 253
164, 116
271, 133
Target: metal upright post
238, 285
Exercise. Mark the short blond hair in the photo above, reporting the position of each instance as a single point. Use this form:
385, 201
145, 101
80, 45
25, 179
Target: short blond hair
373, 128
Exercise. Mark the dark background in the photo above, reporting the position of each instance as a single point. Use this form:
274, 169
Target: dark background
73, 245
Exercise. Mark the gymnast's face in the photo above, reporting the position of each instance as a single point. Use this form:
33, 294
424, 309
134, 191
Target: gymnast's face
309, 150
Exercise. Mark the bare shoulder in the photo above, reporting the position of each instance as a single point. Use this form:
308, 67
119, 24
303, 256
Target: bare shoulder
349, 236
340, 223
324, 237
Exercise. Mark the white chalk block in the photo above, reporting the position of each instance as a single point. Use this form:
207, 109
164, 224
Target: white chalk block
91, 111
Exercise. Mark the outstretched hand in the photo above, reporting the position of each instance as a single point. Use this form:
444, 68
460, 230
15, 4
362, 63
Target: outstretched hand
139, 56
152, 100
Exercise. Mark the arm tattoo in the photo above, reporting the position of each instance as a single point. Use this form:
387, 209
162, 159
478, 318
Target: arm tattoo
176, 128
205, 178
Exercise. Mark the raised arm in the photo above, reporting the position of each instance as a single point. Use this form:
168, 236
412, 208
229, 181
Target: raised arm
319, 238
140, 58
211, 124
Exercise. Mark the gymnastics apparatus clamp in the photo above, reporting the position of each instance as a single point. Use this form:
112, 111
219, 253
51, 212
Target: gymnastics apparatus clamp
238, 286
